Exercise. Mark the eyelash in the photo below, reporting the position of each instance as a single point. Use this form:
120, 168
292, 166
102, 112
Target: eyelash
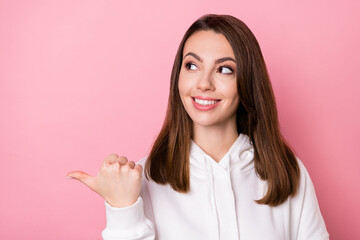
224, 66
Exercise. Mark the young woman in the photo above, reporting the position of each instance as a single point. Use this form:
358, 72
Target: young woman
219, 168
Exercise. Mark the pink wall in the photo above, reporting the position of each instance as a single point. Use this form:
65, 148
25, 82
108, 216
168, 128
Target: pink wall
82, 79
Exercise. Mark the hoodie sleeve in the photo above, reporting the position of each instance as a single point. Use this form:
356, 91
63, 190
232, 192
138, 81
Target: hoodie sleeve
130, 222
308, 223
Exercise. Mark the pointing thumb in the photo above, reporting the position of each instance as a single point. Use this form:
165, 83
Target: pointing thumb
82, 177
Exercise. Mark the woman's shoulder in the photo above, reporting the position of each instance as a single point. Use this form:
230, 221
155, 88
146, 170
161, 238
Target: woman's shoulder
304, 174
306, 186
305, 208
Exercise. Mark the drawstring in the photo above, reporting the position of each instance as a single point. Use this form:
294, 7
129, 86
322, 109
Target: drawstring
213, 210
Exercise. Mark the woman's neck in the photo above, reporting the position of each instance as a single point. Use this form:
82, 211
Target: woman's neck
215, 140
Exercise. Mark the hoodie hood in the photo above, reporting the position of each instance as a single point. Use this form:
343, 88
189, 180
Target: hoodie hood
238, 158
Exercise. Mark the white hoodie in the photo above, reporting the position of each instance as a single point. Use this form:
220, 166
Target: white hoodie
220, 205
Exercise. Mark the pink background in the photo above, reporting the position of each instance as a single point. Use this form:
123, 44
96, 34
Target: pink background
83, 79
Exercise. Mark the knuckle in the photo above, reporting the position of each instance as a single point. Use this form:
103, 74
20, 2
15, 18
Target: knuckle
103, 167
125, 168
115, 165
104, 171
113, 168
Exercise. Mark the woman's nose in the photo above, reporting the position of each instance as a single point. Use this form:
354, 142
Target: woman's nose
205, 81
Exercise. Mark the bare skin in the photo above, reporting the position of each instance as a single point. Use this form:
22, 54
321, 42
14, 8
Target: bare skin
215, 130
119, 180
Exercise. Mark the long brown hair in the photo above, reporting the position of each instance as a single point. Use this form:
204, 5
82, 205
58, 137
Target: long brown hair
256, 116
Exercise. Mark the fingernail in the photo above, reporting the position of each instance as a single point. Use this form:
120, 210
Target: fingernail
69, 177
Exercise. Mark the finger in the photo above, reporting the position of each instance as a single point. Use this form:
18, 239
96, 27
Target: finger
111, 159
122, 160
131, 164
82, 177
139, 167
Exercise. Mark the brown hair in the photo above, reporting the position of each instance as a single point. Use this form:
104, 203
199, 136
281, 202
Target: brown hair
256, 116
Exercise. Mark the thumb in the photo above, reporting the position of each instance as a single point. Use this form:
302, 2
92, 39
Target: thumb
82, 177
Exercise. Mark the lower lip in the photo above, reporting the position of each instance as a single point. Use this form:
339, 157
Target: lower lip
204, 108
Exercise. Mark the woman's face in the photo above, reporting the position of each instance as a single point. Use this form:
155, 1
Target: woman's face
207, 80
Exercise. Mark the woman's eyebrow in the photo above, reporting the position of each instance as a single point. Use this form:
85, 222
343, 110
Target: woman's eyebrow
220, 60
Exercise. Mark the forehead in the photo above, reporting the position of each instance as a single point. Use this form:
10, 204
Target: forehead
208, 44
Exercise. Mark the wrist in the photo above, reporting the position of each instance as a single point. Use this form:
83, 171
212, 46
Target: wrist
121, 204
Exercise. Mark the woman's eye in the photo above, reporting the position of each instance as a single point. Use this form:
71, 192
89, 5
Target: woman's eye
228, 71
188, 66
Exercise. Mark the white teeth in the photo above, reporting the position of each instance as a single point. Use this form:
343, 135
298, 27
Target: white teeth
205, 102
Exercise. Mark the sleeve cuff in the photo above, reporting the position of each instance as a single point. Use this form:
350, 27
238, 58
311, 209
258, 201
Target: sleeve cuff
126, 217
126, 221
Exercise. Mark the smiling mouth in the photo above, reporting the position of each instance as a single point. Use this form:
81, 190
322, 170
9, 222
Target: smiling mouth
205, 102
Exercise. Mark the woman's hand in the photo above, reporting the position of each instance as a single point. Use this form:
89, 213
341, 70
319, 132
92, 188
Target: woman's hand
118, 180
